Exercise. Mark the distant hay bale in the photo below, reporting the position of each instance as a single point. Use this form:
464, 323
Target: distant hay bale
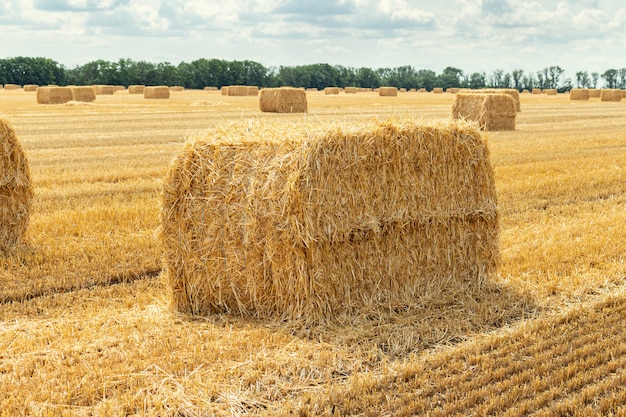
177, 88
237, 90
16, 191
311, 89
388, 91
413, 90
283, 100
551, 91
253, 90
510, 91
611, 95
105, 89
536, 91
85, 94
438, 90
422, 90
452, 90
525, 91
298, 223
595, 93
12, 87
119, 88
351, 90
54, 95
224, 90
490, 111
30, 87
579, 94
136, 89
331, 91
402, 90
157, 92
210, 88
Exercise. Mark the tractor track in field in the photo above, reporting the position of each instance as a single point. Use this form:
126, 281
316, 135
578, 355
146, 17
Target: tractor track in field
121, 278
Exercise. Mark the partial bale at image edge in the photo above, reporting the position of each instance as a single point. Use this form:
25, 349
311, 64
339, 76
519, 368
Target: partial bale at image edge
16, 191
256, 220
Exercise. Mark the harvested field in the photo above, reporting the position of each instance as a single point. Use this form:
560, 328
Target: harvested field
86, 327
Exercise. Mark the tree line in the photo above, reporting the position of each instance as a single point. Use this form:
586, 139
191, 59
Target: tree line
218, 72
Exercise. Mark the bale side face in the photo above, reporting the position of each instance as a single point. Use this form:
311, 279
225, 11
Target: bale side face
283, 100
388, 92
611, 95
579, 94
158, 92
84, 94
54, 95
313, 224
16, 191
490, 111
331, 91
136, 89
105, 89
253, 90
237, 90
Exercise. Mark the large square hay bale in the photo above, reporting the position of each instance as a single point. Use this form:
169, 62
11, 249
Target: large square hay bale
611, 95
16, 191
237, 90
388, 91
253, 90
351, 90
54, 95
283, 100
491, 111
331, 91
224, 90
136, 89
156, 92
510, 91
595, 93
299, 222
85, 94
579, 94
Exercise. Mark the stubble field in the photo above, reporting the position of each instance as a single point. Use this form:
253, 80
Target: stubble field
85, 326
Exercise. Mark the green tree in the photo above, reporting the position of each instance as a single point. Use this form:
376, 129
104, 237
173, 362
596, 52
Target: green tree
517, 75
450, 77
610, 78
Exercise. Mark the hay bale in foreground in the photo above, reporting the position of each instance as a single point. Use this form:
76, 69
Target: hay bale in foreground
611, 95
54, 95
388, 92
312, 224
85, 94
283, 100
579, 94
16, 191
491, 111
156, 92
136, 89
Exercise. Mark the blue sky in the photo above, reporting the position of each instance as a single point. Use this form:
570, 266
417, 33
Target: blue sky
478, 35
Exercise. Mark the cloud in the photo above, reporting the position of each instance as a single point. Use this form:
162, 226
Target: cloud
77, 5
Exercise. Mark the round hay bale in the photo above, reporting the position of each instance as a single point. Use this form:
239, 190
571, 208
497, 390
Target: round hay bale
579, 94
388, 92
54, 95
157, 92
84, 94
16, 191
283, 100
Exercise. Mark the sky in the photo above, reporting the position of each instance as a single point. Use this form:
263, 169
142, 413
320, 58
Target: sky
472, 35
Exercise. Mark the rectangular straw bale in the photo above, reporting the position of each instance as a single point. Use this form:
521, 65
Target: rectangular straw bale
237, 90
253, 90
85, 94
12, 87
177, 88
388, 91
224, 90
438, 90
351, 90
304, 223
579, 94
452, 90
136, 89
536, 91
491, 111
595, 93
510, 91
156, 92
105, 89
283, 100
30, 87
611, 94
331, 91
54, 95
210, 88
550, 91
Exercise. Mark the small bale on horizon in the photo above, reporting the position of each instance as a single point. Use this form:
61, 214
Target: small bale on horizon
31, 87
330, 91
579, 94
611, 94
156, 92
136, 89
438, 90
388, 92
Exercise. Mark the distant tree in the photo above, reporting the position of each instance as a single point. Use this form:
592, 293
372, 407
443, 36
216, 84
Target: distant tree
367, 78
476, 80
610, 78
582, 79
495, 80
622, 78
517, 78
450, 77
594, 79
507, 81
554, 74
427, 79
